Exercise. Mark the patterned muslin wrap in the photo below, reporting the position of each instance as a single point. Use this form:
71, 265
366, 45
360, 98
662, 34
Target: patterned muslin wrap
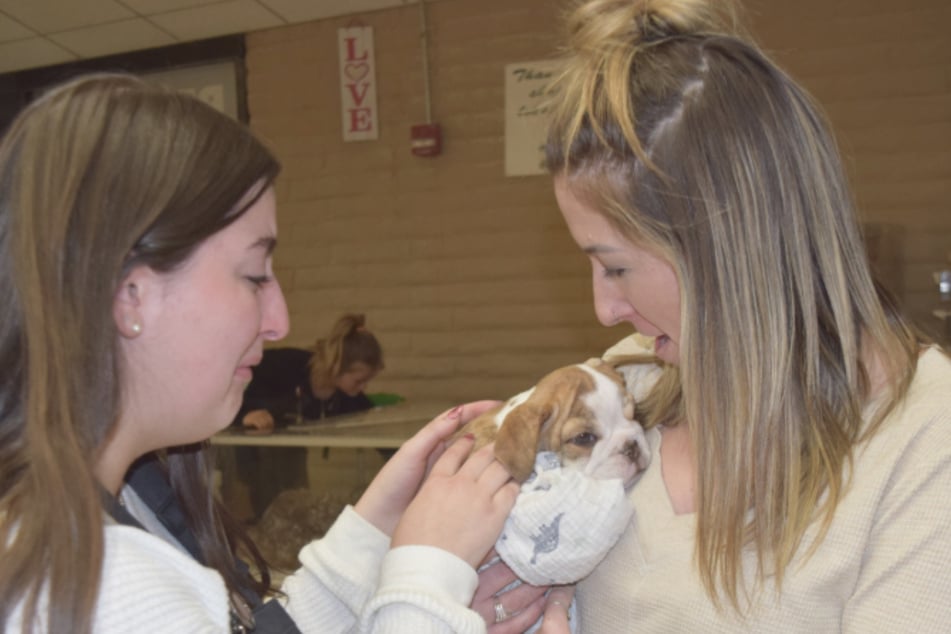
563, 524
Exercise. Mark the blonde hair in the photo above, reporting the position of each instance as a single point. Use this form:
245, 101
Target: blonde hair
349, 342
693, 143
100, 175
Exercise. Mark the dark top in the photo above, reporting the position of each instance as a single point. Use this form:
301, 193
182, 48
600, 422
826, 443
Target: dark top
277, 379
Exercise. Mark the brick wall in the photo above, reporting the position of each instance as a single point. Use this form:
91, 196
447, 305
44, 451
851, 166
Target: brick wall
468, 277
882, 71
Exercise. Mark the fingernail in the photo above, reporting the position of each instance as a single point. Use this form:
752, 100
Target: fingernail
469, 436
455, 412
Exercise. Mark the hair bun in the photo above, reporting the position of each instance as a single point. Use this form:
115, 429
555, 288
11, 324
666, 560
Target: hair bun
595, 24
658, 19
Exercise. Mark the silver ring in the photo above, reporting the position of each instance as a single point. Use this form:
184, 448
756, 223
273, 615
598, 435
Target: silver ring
500, 613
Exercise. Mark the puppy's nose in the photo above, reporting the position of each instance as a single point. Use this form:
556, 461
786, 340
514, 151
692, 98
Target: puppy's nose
632, 451
637, 451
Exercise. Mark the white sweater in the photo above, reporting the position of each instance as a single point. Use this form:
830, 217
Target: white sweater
884, 566
349, 582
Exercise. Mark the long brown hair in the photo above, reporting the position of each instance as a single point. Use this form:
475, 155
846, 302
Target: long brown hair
349, 342
102, 174
693, 143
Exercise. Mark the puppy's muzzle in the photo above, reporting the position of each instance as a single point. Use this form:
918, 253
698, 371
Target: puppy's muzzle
632, 451
636, 450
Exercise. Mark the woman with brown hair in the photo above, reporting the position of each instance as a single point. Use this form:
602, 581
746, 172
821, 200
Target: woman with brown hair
801, 429
136, 232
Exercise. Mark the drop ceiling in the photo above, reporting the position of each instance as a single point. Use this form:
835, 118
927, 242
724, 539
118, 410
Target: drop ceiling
35, 33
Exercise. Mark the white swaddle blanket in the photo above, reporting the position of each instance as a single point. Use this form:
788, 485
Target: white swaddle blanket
563, 524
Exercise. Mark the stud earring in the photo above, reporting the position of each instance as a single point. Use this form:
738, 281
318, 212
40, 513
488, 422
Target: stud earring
136, 327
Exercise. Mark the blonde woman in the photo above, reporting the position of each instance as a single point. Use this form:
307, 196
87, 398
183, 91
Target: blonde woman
801, 431
329, 380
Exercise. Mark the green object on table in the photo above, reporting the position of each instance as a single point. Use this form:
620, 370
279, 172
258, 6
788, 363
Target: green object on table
385, 398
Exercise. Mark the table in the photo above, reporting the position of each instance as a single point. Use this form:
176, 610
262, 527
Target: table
385, 427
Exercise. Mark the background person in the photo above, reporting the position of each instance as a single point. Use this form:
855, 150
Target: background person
801, 430
292, 384
330, 380
136, 230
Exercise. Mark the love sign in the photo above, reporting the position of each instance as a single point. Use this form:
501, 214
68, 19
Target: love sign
357, 83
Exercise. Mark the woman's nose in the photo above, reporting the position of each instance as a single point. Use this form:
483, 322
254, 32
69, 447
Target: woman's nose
275, 322
608, 303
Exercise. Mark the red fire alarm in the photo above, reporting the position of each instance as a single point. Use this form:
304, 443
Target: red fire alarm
425, 139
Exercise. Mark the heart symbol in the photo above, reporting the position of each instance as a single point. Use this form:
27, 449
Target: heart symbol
356, 72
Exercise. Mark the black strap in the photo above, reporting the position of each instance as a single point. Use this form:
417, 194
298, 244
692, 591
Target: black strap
150, 484
271, 618
117, 511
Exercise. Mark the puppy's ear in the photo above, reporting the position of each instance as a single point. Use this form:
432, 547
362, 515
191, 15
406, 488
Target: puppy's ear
549, 405
628, 405
517, 441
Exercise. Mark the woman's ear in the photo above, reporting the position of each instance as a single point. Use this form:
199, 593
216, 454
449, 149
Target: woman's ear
127, 304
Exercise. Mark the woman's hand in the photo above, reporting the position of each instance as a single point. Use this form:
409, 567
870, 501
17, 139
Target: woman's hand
259, 420
556, 610
522, 604
462, 505
391, 491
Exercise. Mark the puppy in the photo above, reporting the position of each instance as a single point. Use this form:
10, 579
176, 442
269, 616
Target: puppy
581, 412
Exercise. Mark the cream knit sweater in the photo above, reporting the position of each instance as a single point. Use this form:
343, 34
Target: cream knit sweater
884, 566
349, 582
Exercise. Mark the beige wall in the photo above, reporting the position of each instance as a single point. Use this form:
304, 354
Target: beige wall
882, 70
467, 276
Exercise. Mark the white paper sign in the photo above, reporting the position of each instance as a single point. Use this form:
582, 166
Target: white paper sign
527, 92
215, 84
358, 83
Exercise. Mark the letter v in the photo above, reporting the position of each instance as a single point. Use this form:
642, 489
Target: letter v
358, 94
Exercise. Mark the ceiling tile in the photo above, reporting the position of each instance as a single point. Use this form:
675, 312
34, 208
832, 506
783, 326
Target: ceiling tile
49, 16
304, 10
236, 16
150, 7
114, 37
31, 53
13, 30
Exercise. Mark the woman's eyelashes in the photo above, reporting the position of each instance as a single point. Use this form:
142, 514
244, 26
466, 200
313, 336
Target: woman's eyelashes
608, 272
259, 280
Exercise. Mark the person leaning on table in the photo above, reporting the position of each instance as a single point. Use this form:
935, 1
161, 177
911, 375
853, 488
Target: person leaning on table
293, 385
330, 380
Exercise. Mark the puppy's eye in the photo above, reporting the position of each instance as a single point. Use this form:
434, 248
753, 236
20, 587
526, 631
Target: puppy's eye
584, 439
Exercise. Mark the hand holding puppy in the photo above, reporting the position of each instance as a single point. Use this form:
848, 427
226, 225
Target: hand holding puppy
521, 603
391, 491
473, 494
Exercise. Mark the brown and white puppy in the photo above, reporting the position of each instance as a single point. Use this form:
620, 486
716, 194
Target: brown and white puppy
581, 412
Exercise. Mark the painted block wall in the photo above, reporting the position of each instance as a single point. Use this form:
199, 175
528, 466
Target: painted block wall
469, 277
